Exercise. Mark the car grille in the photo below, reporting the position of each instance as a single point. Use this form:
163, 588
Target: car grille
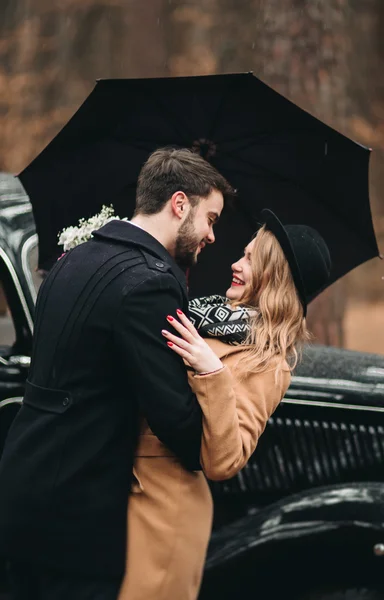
304, 447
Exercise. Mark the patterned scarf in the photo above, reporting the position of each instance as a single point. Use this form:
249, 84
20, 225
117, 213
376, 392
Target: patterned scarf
213, 317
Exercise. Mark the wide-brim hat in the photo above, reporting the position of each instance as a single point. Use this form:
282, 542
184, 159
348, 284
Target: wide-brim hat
307, 255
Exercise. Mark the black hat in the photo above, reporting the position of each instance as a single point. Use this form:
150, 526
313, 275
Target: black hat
307, 255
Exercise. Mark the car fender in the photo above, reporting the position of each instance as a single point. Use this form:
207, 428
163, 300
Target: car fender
299, 518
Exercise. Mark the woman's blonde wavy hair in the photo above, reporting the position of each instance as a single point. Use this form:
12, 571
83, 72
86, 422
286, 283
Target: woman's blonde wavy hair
278, 327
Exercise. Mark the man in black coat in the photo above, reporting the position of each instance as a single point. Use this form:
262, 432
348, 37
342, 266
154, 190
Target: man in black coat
99, 363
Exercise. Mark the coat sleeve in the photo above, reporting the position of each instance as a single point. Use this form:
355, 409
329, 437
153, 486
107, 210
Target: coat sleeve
155, 373
235, 414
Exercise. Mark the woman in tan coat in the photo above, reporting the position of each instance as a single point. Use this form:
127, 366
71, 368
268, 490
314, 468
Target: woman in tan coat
238, 359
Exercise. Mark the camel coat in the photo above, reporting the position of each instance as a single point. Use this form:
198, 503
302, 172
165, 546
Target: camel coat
170, 508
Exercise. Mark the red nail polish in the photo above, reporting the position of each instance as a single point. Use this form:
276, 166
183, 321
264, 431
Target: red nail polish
169, 318
179, 312
170, 344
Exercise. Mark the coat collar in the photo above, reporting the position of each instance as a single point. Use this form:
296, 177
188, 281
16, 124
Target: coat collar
126, 233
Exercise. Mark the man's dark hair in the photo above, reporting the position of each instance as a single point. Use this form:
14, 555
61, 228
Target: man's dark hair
168, 170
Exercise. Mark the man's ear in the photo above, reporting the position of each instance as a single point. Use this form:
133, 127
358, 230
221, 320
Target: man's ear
179, 203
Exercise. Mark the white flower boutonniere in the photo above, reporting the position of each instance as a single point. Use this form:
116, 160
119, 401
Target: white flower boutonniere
72, 236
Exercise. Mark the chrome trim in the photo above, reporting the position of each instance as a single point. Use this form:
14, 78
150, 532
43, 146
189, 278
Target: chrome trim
374, 372
15, 400
331, 396
18, 287
19, 360
30, 243
339, 384
12, 211
333, 405
378, 549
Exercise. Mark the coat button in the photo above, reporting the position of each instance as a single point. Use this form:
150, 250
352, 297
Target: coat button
159, 264
65, 401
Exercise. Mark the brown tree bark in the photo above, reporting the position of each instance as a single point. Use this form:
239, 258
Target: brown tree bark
366, 124
51, 53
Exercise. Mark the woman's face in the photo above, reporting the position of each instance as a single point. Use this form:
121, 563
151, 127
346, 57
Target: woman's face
241, 274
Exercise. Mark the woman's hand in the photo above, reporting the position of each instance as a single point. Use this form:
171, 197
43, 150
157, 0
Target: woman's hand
191, 346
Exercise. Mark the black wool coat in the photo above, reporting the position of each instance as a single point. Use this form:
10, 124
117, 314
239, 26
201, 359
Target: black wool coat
99, 362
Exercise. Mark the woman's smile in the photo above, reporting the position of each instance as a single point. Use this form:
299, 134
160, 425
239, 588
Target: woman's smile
236, 281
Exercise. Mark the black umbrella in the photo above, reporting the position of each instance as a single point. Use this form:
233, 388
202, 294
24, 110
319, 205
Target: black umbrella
275, 154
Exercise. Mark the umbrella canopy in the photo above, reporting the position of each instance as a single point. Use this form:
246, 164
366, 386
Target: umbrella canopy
275, 154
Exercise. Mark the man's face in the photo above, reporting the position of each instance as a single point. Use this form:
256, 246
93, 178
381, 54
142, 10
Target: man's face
197, 229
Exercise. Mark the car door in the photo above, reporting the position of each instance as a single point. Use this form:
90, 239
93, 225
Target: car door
328, 430
20, 281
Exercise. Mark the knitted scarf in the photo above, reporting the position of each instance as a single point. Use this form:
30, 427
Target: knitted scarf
213, 317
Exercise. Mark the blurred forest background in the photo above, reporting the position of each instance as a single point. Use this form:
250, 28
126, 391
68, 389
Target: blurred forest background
327, 56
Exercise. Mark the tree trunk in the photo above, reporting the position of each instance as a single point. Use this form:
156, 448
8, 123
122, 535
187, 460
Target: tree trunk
52, 52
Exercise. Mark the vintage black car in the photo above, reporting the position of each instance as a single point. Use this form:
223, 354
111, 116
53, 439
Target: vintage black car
305, 518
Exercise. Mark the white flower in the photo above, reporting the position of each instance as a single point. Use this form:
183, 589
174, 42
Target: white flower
72, 236
68, 238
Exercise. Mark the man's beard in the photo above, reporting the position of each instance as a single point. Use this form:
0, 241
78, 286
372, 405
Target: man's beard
187, 243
